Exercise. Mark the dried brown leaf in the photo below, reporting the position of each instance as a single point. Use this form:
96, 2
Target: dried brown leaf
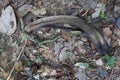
92, 46
116, 70
58, 47
46, 53
29, 43
107, 31
118, 63
18, 66
38, 11
32, 57
64, 54
115, 44
66, 35
23, 10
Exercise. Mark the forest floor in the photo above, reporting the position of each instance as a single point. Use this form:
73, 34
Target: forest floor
58, 54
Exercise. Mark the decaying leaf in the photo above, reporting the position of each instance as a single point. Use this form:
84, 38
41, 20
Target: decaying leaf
29, 43
8, 21
38, 11
115, 44
58, 47
116, 70
64, 54
82, 65
66, 35
102, 73
80, 74
37, 76
29, 72
92, 46
79, 48
18, 66
118, 63
4, 75
46, 53
23, 10
107, 31
118, 22
38, 60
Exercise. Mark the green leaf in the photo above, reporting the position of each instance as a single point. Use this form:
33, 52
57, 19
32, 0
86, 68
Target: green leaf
1, 49
38, 59
110, 60
2, 79
91, 66
29, 63
102, 14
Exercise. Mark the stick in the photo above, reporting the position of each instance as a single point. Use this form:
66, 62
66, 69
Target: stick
19, 56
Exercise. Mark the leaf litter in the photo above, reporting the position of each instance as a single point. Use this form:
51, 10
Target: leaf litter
54, 54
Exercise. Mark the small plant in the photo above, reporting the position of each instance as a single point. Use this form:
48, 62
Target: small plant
2, 79
29, 63
110, 60
102, 14
1, 50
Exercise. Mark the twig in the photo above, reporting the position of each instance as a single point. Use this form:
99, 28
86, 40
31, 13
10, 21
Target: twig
85, 13
19, 56
21, 53
110, 74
